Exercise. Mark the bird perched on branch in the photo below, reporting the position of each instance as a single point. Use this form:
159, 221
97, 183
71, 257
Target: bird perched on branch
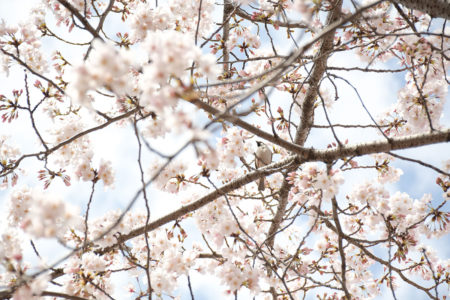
263, 158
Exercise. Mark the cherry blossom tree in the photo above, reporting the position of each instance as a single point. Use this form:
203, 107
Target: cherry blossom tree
193, 85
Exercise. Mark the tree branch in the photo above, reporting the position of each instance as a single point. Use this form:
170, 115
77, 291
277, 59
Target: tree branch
435, 8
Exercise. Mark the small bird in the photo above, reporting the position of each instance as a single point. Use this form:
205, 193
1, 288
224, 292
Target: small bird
263, 158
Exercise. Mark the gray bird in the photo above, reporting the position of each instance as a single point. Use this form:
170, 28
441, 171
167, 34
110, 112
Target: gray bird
263, 158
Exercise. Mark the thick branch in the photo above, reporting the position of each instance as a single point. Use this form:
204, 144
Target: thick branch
233, 185
307, 117
244, 125
61, 295
227, 10
435, 8
380, 146
311, 155
320, 65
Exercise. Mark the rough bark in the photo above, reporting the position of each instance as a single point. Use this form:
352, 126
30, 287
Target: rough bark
435, 8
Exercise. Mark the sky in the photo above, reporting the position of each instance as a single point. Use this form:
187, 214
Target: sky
119, 145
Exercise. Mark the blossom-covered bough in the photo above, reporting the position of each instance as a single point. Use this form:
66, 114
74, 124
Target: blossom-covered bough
196, 83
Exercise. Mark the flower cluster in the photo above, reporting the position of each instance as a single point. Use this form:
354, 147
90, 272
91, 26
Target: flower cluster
41, 215
422, 105
24, 39
170, 53
250, 40
107, 68
421, 101
63, 15
233, 145
314, 183
144, 19
305, 8
170, 178
8, 154
11, 242
177, 15
33, 289
87, 276
399, 210
386, 173
219, 226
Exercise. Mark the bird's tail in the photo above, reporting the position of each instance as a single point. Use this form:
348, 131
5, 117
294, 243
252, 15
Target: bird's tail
261, 184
